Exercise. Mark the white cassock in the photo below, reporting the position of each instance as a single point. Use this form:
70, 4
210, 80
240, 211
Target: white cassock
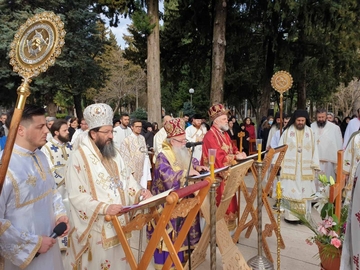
76, 134
120, 133
133, 151
298, 167
353, 126
329, 141
159, 138
57, 155
29, 208
272, 133
351, 161
194, 134
350, 255
93, 183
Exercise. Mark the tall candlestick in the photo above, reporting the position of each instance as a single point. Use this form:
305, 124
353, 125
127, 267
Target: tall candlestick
259, 152
212, 166
259, 144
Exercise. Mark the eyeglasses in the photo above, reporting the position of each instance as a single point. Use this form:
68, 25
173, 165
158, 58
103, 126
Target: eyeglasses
180, 141
106, 132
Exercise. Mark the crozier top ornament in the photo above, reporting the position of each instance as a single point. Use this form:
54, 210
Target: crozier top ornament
281, 81
36, 44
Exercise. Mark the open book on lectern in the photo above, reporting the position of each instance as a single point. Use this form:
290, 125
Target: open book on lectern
203, 175
253, 156
159, 197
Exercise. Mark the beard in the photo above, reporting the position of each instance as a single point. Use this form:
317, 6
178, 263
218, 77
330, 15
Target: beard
277, 125
299, 126
224, 127
182, 156
63, 139
321, 124
106, 149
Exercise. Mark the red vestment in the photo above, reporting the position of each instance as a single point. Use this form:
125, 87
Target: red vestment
225, 155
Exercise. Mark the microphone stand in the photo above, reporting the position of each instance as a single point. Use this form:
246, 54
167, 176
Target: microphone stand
186, 184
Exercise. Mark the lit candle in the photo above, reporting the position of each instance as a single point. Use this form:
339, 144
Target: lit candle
259, 152
212, 163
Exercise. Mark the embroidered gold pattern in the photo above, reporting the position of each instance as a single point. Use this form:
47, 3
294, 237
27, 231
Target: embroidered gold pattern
31, 180
4, 227
38, 165
17, 193
32, 254
91, 221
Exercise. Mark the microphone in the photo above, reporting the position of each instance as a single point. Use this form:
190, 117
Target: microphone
58, 230
192, 144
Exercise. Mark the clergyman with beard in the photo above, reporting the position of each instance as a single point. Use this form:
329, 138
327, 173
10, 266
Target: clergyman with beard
226, 154
57, 151
329, 140
171, 169
300, 162
98, 183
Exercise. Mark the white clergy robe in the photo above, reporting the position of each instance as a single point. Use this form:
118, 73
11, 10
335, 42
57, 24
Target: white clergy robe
329, 141
194, 134
353, 126
298, 167
29, 208
120, 133
272, 133
57, 155
350, 163
159, 138
133, 151
93, 183
350, 255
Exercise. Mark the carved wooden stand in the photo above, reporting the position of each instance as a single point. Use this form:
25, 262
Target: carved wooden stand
250, 199
173, 208
231, 256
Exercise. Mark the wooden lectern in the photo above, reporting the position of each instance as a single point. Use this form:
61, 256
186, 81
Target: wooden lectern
174, 205
231, 255
244, 224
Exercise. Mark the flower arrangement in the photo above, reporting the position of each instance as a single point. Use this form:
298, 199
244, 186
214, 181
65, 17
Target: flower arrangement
329, 234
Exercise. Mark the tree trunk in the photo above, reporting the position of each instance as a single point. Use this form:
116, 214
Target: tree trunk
218, 53
301, 102
269, 70
153, 64
78, 107
51, 108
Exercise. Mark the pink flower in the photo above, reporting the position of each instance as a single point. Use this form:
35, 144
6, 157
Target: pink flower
322, 229
308, 241
328, 222
336, 242
333, 234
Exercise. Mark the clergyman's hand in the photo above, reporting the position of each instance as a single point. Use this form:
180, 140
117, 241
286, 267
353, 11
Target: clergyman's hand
64, 219
113, 209
46, 243
241, 155
145, 194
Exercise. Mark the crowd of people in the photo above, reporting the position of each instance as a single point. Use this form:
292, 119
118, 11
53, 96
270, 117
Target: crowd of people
76, 171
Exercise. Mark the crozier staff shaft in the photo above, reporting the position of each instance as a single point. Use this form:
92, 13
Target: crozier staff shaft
23, 93
281, 113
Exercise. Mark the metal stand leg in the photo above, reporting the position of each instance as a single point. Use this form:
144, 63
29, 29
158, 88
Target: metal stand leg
213, 188
259, 262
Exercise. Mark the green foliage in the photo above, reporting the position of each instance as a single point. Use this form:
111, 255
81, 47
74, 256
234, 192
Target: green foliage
78, 67
140, 114
188, 109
